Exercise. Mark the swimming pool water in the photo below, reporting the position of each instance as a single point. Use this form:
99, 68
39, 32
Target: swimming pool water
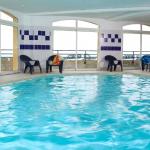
76, 112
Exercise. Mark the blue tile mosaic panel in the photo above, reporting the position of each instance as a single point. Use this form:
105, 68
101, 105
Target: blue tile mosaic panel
110, 42
34, 38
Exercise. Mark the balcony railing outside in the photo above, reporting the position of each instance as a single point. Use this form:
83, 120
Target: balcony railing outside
131, 59
85, 58
134, 55
6, 60
80, 59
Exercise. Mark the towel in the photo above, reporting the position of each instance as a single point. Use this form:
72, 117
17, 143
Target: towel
57, 60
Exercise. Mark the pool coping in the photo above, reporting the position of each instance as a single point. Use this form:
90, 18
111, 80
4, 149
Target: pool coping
18, 77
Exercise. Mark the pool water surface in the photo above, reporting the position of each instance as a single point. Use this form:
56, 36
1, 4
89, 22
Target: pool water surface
76, 112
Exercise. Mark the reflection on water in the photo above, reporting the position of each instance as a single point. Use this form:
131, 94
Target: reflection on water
76, 112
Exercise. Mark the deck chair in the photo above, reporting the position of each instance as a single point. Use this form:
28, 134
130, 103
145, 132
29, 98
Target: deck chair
145, 62
113, 62
29, 63
50, 64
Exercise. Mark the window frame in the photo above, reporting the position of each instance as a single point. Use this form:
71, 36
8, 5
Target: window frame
141, 32
76, 29
13, 24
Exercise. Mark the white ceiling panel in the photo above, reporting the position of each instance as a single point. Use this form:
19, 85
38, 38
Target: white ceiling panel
135, 10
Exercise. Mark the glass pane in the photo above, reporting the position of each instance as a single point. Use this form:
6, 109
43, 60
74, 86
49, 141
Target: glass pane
131, 50
6, 37
145, 44
145, 28
83, 24
65, 23
132, 27
87, 49
6, 17
64, 40
65, 45
131, 42
87, 40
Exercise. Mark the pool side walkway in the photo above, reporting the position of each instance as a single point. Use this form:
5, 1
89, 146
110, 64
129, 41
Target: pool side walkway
16, 76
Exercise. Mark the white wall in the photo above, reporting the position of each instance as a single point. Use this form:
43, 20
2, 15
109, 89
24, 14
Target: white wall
46, 21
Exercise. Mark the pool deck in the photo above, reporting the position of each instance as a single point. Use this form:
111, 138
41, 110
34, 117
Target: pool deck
16, 76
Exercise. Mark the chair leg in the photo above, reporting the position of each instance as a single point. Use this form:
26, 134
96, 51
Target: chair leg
25, 69
121, 66
108, 67
115, 66
47, 66
31, 69
40, 68
111, 67
146, 67
143, 66
60, 68
50, 68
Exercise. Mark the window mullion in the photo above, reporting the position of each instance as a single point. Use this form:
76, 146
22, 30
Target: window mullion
76, 66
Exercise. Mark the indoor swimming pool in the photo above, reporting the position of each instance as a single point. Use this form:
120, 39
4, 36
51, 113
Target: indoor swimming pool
76, 112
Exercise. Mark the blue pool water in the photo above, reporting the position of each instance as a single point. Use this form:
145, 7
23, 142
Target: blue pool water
76, 112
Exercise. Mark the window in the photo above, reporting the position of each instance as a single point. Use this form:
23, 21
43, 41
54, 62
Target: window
145, 28
83, 24
131, 42
6, 37
64, 23
136, 39
8, 43
87, 40
4, 16
64, 40
145, 43
67, 40
132, 27
75, 40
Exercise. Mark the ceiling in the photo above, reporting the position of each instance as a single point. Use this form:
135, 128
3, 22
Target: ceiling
115, 10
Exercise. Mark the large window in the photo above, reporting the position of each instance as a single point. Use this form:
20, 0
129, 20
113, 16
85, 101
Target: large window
75, 39
136, 38
7, 42
6, 17
64, 40
6, 37
145, 43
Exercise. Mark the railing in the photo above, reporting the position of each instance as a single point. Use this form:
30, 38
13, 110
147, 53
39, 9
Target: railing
6, 53
6, 59
79, 54
134, 55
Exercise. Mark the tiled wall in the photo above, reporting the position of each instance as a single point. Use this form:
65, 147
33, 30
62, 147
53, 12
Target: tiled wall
110, 44
35, 42
33, 38
110, 41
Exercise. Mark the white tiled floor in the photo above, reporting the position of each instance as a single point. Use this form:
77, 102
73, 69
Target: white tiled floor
9, 77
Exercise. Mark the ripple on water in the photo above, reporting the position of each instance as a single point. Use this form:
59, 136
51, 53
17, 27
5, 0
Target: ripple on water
77, 112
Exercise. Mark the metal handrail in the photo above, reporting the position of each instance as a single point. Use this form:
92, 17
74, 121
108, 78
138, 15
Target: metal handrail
81, 54
134, 55
6, 52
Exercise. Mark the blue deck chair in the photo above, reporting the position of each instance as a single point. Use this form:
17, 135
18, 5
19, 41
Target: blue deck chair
145, 62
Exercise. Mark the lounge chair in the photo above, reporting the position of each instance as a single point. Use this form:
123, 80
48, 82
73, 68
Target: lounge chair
145, 62
29, 63
113, 62
50, 63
